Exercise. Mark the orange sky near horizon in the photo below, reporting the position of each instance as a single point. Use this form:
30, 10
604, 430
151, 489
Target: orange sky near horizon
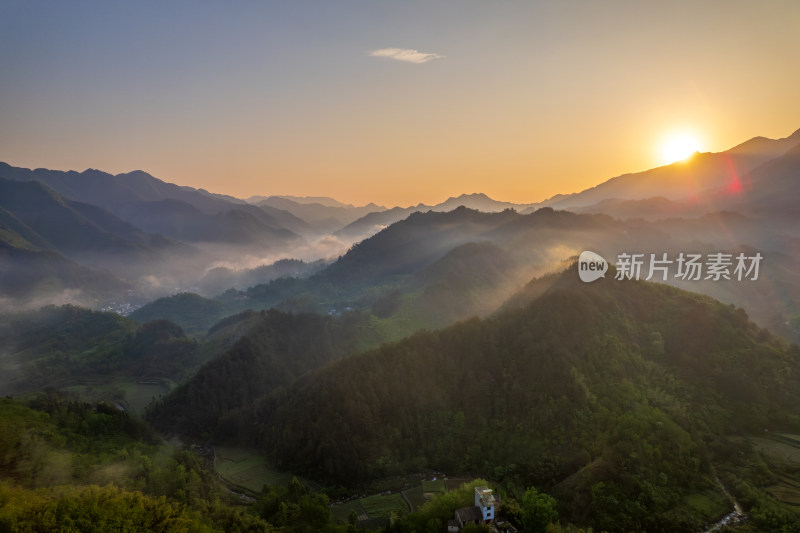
392, 103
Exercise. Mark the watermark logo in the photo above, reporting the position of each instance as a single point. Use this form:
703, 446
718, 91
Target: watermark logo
685, 266
591, 266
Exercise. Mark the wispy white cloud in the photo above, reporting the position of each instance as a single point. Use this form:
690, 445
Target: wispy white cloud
405, 54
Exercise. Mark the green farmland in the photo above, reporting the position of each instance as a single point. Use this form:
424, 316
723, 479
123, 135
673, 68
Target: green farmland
783, 451
248, 469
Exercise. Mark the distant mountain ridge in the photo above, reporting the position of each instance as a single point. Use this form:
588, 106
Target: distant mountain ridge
327, 201
326, 215
180, 212
374, 222
183, 221
678, 181
113, 191
53, 222
146, 217
685, 179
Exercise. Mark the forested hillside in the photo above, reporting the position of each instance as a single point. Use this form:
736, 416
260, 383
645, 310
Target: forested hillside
191, 311
67, 465
614, 391
272, 354
67, 345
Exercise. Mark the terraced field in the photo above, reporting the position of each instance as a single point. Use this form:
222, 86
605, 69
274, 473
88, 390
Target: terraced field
134, 396
373, 511
248, 469
384, 505
415, 496
380, 507
342, 511
783, 451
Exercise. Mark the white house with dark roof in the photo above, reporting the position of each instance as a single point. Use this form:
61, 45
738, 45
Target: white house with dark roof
487, 502
483, 512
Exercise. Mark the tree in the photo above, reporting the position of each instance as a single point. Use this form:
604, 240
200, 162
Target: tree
538, 510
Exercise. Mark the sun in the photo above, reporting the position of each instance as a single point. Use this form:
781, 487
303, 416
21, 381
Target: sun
679, 146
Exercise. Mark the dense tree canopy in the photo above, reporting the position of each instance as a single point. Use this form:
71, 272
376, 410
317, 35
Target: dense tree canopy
276, 350
592, 392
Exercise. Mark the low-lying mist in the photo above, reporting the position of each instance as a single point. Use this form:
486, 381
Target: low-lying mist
536, 244
206, 268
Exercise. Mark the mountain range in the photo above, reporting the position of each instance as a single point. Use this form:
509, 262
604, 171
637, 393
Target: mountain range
357, 344
157, 237
680, 189
325, 215
35, 216
377, 220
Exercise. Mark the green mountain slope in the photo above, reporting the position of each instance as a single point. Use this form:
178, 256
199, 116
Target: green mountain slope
64, 346
273, 353
18, 234
67, 465
598, 392
433, 268
409, 245
193, 313
471, 279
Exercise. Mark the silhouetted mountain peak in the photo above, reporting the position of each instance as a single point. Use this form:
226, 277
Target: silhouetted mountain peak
137, 174
95, 172
472, 196
760, 143
684, 179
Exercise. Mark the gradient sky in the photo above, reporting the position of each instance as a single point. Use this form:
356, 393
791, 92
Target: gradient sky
517, 99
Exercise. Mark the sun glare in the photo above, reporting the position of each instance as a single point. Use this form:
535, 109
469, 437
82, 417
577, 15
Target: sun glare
679, 147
